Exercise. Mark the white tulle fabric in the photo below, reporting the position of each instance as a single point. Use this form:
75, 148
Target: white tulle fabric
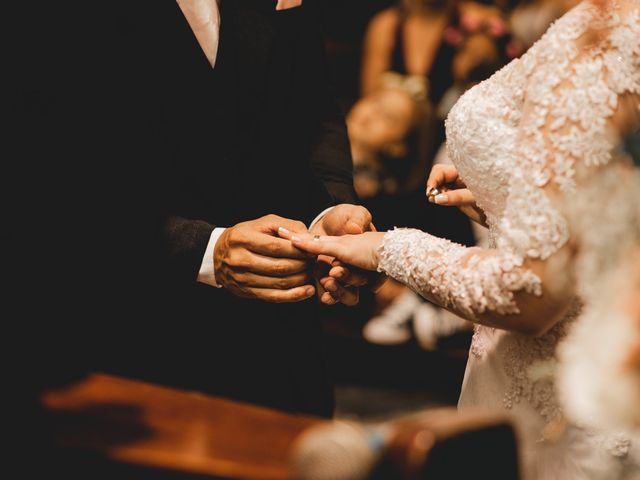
595, 384
524, 142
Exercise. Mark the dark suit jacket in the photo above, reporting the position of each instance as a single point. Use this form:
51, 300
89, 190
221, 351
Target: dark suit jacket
131, 149
258, 134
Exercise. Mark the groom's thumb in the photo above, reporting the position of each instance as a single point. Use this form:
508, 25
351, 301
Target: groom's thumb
352, 228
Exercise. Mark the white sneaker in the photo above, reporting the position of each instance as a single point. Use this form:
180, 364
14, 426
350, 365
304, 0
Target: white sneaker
431, 323
391, 327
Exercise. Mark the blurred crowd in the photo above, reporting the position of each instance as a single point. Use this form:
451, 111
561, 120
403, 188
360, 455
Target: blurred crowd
415, 59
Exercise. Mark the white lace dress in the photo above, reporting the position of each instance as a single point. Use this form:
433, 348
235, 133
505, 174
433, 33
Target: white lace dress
523, 142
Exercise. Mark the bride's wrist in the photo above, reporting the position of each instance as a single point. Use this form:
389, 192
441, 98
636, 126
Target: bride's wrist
376, 250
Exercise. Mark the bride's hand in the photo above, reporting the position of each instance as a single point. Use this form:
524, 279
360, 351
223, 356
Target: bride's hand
359, 251
453, 192
342, 279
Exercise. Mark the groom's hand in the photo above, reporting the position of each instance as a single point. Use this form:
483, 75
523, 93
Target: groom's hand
344, 219
251, 261
344, 282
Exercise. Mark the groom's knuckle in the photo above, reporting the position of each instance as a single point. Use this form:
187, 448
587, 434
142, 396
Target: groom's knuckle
273, 245
237, 236
281, 268
366, 214
236, 260
288, 282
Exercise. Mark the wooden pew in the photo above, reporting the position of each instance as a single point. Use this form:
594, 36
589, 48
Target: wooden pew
131, 429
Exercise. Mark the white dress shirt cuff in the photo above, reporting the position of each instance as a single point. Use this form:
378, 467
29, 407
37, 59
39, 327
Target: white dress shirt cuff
319, 217
207, 273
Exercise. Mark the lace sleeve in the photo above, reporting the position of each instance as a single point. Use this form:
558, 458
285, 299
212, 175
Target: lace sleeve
581, 80
471, 281
566, 94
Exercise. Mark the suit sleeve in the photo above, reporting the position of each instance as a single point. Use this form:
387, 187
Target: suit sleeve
185, 243
331, 161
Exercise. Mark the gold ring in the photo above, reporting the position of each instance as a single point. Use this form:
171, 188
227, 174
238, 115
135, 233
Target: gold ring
432, 192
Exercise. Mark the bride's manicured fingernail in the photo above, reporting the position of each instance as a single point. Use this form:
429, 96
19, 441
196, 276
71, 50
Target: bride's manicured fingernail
283, 230
295, 238
441, 199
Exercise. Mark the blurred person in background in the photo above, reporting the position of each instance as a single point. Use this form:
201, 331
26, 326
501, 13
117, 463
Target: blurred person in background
599, 362
482, 46
524, 143
529, 19
407, 39
419, 38
386, 129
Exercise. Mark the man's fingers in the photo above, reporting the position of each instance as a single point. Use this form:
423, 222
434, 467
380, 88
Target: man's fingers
353, 228
264, 265
274, 247
271, 223
252, 280
281, 296
262, 237
359, 220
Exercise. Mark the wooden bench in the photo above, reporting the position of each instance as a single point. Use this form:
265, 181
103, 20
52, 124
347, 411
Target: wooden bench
132, 429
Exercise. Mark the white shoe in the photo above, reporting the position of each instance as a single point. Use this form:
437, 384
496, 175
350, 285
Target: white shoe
391, 327
431, 323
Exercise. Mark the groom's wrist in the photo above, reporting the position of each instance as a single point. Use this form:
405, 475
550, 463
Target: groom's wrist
207, 272
320, 216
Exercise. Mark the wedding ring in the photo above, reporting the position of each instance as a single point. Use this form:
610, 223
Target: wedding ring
316, 238
432, 192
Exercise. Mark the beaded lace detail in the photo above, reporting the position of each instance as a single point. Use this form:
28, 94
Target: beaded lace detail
530, 363
523, 141
457, 276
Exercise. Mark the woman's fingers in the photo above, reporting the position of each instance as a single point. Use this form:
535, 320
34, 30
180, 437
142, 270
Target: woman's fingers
465, 201
357, 250
475, 214
348, 276
443, 180
441, 175
457, 198
335, 292
314, 244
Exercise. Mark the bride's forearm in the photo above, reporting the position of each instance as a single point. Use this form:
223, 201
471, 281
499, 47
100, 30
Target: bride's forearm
484, 286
